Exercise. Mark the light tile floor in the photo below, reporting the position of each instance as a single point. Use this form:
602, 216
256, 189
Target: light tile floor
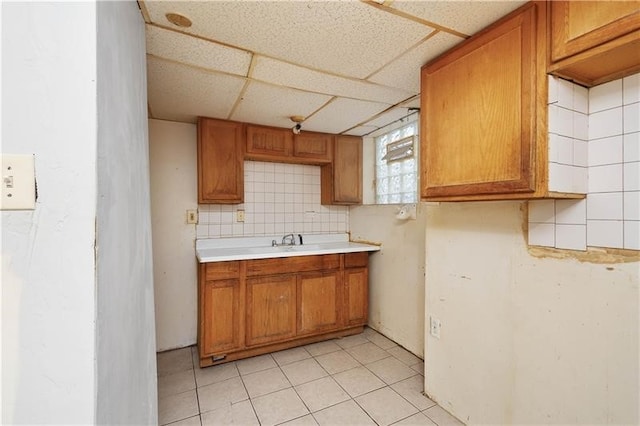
365, 379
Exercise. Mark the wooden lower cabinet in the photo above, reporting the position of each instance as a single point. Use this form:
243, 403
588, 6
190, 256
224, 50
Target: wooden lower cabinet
356, 296
319, 302
221, 308
252, 307
271, 309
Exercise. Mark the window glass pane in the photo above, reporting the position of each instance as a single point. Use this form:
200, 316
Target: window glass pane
397, 181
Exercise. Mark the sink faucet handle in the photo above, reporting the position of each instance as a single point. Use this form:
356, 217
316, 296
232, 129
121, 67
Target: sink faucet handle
300, 238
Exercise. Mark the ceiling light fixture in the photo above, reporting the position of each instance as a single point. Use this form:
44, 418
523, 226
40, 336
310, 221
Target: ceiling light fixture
178, 20
298, 119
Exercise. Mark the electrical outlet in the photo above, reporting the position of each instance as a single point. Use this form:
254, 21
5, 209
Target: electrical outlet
435, 326
240, 215
192, 216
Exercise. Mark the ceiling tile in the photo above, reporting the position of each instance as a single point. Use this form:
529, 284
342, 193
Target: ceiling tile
181, 93
342, 114
389, 117
361, 130
273, 105
465, 16
345, 37
194, 51
405, 71
285, 74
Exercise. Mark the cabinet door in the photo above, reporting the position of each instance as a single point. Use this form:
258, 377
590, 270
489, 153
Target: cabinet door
221, 317
313, 147
478, 118
319, 302
342, 180
356, 296
220, 161
271, 309
580, 25
593, 42
268, 143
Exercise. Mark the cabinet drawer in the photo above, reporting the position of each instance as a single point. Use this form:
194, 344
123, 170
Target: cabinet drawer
355, 260
221, 270
292, 264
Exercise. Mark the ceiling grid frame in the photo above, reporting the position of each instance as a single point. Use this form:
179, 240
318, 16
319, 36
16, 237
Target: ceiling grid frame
386, 6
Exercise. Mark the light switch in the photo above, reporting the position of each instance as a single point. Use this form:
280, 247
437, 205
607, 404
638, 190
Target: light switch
192, 216
18, 182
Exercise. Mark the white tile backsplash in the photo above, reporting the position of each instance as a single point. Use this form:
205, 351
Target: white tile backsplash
605, 151
605, 166
571, 212
631, 147
631, 205
605, 206
279, 199
605, 123
605, 96
542, 234
632, 176
631, 89
632, 235
605, 233
605, 178
571, 237
631, 118
542, 211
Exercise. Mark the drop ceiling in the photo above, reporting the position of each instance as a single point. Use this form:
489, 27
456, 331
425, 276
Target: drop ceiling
349, 67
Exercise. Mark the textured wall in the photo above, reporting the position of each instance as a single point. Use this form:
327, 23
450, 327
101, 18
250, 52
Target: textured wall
48, 270
125, 338
524, 339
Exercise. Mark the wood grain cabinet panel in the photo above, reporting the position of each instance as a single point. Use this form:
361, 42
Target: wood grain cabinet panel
319, 302
594, 41
316, 147
251, 307
356, 296
342, 180
221, 310
484, 114
271, 309
220, 161
268, 143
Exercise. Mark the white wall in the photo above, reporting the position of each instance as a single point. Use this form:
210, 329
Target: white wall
396, 272
526, 340
172, 154
48, 275
125, 338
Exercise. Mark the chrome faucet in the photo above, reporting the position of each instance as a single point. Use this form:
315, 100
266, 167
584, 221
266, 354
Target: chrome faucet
291, 240
287, 240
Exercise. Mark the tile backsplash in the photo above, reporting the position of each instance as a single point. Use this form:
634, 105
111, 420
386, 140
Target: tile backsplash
279, 199
594, 136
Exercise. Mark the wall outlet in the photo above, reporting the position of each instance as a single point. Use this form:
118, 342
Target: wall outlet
192, 216
435, 326
239, 215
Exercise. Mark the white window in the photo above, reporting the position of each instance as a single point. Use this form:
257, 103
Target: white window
397, 165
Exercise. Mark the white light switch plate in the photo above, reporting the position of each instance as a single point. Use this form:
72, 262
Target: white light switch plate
18, 182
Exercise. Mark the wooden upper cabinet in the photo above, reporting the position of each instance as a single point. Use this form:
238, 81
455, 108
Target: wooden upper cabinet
594, 41
220, 161
342, 180
316, 147
482, 103
281, 145
268, 143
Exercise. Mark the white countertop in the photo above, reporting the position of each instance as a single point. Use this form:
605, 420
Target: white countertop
245, 248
